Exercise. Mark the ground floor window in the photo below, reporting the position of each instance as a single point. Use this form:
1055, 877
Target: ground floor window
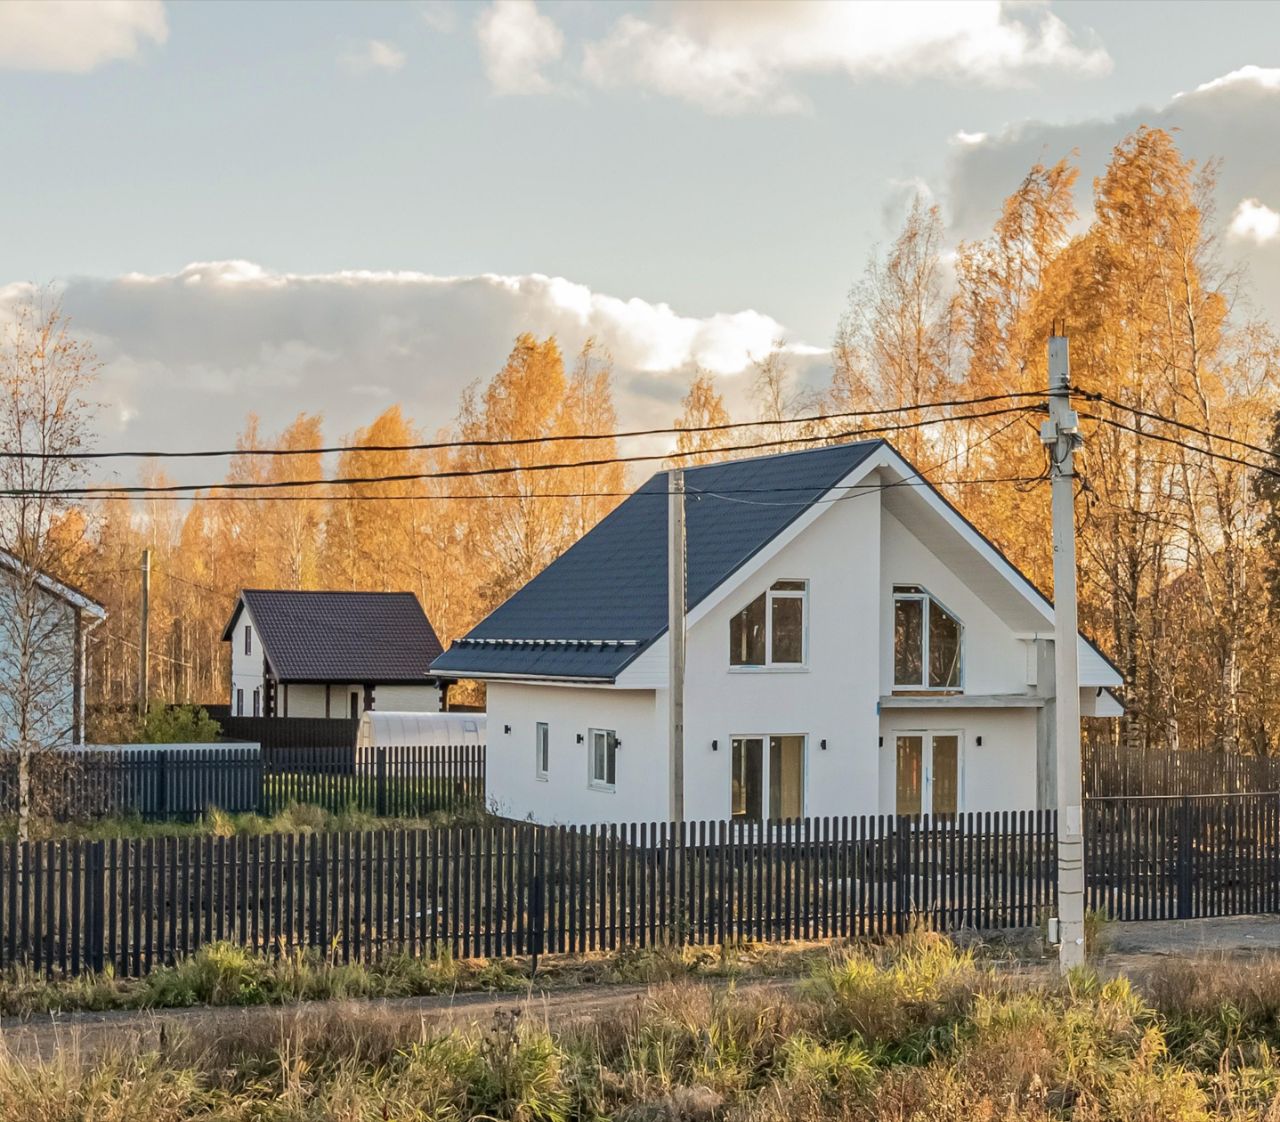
257, 702
604, 758
239, 703
926, 773
768, 777
541, 749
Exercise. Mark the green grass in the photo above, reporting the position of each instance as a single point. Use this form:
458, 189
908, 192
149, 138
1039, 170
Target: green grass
296, 818
227, 974
912, 1032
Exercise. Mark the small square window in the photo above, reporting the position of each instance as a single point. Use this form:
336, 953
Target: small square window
541, 749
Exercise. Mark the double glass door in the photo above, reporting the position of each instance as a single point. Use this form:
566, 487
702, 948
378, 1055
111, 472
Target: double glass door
768, 777
927, 771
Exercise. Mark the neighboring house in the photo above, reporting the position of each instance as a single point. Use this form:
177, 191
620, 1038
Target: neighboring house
331, 654
854, 646
60, 629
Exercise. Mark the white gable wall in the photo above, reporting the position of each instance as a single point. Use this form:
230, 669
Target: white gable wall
993, 658
246, 669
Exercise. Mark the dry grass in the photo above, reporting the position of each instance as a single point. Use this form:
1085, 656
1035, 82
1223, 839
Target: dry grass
917, 1030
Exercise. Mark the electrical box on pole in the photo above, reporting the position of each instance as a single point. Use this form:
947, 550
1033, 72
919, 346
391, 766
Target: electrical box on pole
677, 591
1061, 437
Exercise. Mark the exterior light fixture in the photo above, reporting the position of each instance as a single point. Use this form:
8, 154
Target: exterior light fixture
715, 746
823, 744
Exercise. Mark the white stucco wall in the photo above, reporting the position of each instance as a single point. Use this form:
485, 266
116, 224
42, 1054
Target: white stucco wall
998, 774
566, 795
246, 669
407, 699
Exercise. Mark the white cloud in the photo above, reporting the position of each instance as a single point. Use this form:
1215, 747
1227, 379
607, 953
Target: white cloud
1265, 78
1254, 222
440, 15
732, 58
963, 137
217, 339
517, 42
376, 54
76, 36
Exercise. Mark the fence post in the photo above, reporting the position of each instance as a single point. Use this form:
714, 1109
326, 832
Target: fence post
382, 782
162, 783
1184, 858
96, 927
536, 918
901, 827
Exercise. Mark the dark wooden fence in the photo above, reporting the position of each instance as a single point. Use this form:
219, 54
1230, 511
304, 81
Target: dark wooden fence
184, 783
1183, 857
1111, 772
291, 732
509, 889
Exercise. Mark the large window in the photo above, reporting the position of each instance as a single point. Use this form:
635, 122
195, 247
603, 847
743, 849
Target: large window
541, 749
769, 787
926, 641
604, 758
771, 630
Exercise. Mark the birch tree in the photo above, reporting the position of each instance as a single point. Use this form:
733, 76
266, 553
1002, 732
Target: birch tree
46, 376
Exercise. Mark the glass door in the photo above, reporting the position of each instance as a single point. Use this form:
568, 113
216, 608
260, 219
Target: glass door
768, 777
927, 773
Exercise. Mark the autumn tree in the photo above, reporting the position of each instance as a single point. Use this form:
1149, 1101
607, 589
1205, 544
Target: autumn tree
780, 397
46, 416
893, 346
700, 423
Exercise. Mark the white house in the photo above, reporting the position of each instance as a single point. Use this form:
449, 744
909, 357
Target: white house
331, 654
56, 626
854, 646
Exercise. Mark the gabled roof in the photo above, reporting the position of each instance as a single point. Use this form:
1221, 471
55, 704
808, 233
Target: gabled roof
55, 587
340, 636
599, 605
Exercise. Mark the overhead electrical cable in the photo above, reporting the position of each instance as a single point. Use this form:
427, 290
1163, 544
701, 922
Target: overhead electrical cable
509, 442
497, 469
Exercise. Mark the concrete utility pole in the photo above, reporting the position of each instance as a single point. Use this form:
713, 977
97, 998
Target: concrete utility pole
1060, 435
144, 683
676, 605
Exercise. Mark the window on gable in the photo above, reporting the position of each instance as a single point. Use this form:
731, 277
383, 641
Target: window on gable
770, 631
926, 641
248, 639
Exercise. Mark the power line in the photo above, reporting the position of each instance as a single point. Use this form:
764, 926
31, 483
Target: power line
510, 442
1208, 434
1164, 438
503, 469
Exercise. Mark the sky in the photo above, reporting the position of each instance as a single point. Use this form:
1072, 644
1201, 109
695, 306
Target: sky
332, 207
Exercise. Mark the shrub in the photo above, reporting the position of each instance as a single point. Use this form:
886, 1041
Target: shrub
179, 724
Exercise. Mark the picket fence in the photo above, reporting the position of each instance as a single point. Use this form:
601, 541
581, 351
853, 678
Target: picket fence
517, 889
184, 783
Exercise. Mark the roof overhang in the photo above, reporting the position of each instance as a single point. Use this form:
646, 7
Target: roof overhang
73, 596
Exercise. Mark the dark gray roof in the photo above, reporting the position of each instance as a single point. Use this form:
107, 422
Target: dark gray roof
341, 636
594, 609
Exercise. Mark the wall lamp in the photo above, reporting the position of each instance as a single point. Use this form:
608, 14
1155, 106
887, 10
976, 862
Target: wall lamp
506, 729
822, 744
581, 738
715, 746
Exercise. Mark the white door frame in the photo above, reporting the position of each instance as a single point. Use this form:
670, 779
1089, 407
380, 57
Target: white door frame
889, 758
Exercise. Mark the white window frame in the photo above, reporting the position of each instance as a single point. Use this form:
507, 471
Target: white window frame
542, 751
601, 784
765, 737
926, 793
925, 597
239, 701
248, 639
770, 595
